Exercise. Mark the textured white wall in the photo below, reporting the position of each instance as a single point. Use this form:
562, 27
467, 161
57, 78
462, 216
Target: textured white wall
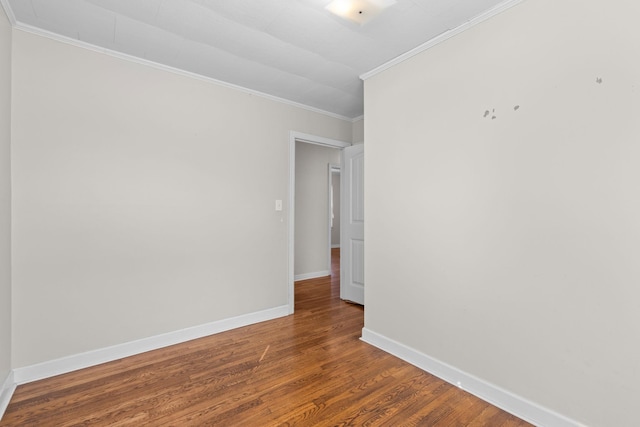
143, 200
508, 160
5, 196
312, 207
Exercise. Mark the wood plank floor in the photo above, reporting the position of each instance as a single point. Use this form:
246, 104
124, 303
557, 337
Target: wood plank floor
309, 369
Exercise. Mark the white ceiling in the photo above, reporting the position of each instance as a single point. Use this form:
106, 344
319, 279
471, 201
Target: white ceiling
290, 49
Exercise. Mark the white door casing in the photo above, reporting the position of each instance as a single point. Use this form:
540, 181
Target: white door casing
352, 225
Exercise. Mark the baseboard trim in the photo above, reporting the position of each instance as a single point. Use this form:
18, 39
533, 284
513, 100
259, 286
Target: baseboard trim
335, 246
91, 358
497, 396
315, 275
6, 392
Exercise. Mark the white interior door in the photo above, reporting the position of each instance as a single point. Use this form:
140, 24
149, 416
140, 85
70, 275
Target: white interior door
352, 225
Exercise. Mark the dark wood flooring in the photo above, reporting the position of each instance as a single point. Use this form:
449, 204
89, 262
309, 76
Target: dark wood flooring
309, 369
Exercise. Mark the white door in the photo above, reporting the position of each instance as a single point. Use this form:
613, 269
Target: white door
352, 225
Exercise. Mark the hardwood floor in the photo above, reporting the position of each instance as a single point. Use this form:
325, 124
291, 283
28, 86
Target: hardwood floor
309, 369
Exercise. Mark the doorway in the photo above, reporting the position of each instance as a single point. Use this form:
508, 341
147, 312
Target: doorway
295, 138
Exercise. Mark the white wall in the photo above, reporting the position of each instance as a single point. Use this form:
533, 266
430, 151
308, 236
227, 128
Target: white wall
143, 200
516, 239
357, 134
335, 230
5, 197
312, 208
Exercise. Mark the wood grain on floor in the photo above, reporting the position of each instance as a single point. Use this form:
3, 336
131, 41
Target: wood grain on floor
308, 369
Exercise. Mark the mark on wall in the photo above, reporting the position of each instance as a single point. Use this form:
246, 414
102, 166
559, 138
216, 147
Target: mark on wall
486, 114
493, 114
599, 80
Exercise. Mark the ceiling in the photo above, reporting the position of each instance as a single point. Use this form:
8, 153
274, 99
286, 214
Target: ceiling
291, 49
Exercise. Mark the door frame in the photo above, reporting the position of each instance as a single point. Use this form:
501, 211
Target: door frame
309, 139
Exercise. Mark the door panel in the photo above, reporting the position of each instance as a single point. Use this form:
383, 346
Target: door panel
352, 225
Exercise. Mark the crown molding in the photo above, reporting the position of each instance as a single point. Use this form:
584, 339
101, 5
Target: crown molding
442, 37
7, 9
88, 46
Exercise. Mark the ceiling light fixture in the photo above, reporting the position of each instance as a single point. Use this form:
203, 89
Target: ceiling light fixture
358, 11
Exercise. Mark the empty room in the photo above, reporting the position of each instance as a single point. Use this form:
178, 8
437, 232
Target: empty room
172, 253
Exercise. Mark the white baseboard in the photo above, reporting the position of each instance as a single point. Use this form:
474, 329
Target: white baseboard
108, 354
335, 246
311, 275
6, 392
497, 396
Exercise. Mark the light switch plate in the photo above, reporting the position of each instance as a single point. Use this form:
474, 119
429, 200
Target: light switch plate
278, 205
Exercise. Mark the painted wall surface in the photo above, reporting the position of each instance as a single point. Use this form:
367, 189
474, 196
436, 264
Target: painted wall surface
312, 207
5, 196
143, 199
508, 157
335, 230
358, 132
